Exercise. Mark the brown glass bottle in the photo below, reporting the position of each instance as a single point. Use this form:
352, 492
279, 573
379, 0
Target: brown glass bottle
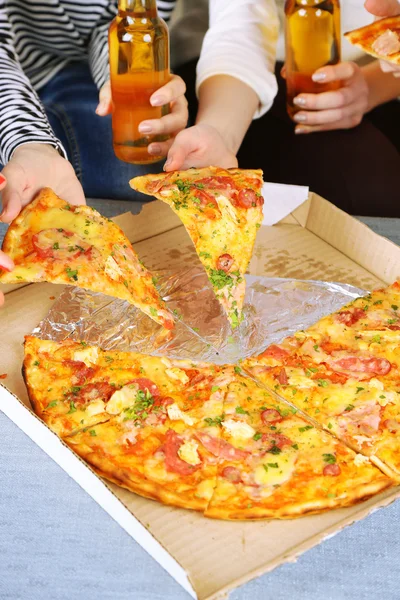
139, 65
312, 35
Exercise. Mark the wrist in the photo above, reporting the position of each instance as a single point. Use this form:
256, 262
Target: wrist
44, 148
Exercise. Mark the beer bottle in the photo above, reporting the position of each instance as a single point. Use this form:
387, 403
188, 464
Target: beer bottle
313, 40
139, 65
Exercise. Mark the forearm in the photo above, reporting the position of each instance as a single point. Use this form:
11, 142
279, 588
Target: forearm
383, 87
229, 106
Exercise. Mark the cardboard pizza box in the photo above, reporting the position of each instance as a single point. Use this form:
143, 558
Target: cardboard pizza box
315, 241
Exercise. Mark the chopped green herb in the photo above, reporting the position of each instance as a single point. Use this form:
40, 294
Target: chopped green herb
316, 348
295, 446
51, 404
240, 411
92, 432
238, 370
330, 425
216, 421
395, 307
376, 339
322, 383
359, 389
56, 246
205, 254
109, 359
72, 274
219, 279
378, 302
329, 458
153, 311
331, 495
305, 428
275, 450
392, 321
72, 408
257, 436
36, 363
349, 407
125, 283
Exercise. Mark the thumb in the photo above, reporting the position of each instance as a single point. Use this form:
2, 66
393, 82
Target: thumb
383, 8
184, 144
10, 197
105, 101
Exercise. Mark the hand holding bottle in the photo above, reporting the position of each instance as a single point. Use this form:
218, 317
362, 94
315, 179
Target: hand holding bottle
172, 93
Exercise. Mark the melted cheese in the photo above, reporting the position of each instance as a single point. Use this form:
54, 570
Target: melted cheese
360, 460
122, 399
238, 429
88, 355
112, 269
95, 408
175, 414
177, 374
299, 380
72, 221
205, 489
188, 452
275, 475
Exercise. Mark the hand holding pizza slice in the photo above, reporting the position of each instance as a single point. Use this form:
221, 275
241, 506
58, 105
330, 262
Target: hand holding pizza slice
53, 241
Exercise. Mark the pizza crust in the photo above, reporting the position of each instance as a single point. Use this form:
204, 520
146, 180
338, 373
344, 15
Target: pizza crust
364, 37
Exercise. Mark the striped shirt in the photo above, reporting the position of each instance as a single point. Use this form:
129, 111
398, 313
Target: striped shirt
37, 39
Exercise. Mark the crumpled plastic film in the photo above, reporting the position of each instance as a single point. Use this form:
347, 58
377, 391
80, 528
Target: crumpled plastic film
274, 309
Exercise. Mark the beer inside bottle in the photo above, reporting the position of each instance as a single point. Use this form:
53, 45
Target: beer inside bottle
139, 65
312, 41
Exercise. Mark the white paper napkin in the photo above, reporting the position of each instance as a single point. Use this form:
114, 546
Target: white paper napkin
280, 200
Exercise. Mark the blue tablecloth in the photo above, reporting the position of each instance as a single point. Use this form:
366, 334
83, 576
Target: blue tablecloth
57, 543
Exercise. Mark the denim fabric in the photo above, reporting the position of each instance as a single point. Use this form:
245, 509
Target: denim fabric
70, 100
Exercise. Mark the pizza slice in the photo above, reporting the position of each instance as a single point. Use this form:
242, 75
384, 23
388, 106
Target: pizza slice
380, 39
147, 423
53, 241
283, 466
344, 372
221, 210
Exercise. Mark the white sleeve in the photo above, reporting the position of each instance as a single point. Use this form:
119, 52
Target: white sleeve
241, 42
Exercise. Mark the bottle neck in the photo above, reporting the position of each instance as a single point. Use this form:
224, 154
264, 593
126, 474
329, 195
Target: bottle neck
138, 6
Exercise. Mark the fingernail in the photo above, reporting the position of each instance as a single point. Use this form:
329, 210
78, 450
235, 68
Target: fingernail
318, 77
154, 149
300, 101
158, 100
396, 74
145, 128
300, 130
300, 118
167, 163
2, 180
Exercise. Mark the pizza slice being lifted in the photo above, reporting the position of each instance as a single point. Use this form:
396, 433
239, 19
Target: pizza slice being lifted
380, 39
221, 210
53, 241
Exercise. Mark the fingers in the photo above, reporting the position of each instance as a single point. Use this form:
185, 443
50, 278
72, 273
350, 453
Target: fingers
346, 123
160, 148
334, 115
383, 8
169, 92
339, 72
105, 101
283, 72
182, 147
172, 123
6, 262
11, 188
325, 100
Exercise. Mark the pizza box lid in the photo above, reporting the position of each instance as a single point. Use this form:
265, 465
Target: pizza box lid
315, 241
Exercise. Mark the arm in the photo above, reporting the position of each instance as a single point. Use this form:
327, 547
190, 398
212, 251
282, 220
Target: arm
22, 116
235, 82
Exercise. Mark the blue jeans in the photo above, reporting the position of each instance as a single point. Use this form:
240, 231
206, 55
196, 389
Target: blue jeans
70, 100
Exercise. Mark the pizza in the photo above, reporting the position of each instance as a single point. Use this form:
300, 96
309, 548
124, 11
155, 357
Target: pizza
380, 39
221, 210
192, 435
344, 372
53, 241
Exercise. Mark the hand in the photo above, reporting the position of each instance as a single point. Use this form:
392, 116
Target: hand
31, 168
381, 9
199, 146
172, 93
7, 264
339, 109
